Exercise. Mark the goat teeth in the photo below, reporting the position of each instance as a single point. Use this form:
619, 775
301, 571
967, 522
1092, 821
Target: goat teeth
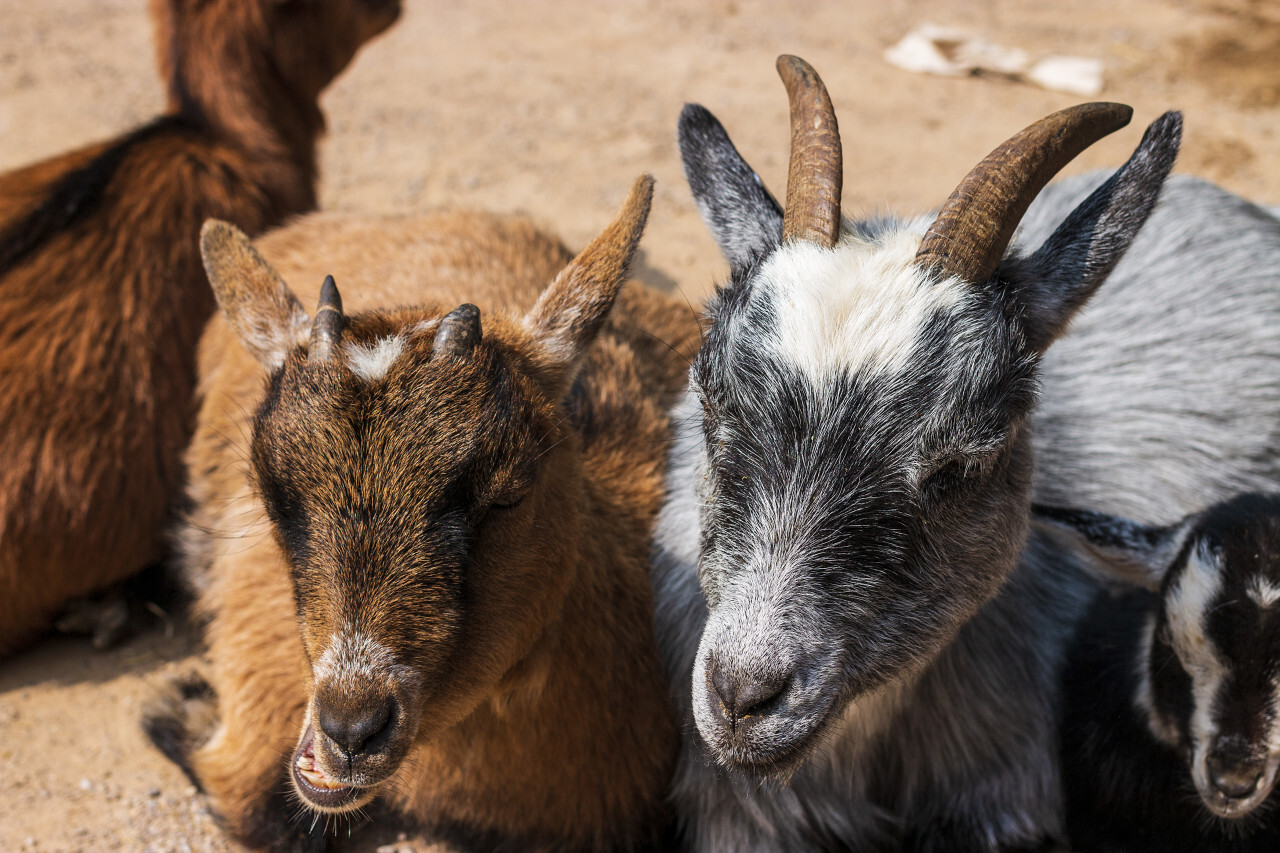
320, 780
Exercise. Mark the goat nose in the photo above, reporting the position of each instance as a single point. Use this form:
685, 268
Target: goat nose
744, 696
352, 730
1233, 779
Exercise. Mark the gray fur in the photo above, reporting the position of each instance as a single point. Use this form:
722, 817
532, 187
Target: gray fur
1165, 396
959, 745
1162, 397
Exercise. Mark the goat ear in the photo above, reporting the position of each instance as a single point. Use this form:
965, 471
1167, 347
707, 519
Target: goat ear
742, 216
570, 312
1123, 550
1068, 267
263, 311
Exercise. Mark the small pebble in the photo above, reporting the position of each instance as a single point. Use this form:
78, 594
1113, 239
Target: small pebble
153, 793
86, 785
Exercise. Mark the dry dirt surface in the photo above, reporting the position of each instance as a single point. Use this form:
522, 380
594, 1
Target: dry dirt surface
552, 108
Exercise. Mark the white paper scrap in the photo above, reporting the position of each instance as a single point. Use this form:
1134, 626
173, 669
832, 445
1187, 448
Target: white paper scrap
951, 52
1073, 74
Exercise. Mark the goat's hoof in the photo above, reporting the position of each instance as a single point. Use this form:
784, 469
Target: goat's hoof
179, 718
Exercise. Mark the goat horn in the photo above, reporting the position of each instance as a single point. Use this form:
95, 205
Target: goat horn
974, 227
326, 328
459, 331
816, 173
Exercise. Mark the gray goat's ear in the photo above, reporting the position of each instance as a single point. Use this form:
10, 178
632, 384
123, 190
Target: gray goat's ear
742, 216
1064, 272
1123, 550
263, 311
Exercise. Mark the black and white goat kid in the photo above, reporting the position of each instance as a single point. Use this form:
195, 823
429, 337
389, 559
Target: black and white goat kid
1170, 738
855, 503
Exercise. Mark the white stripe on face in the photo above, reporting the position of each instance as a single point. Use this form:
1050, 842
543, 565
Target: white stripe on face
858, 305
1187, 606
354, 660
372, 362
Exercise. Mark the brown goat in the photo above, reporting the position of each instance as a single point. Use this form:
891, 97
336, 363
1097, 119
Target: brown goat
461, 530
102, 298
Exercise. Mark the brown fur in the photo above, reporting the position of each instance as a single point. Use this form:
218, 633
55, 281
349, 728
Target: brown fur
542, 719
102, 297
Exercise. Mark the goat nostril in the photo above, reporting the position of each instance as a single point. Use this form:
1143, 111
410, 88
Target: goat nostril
755, 696
722, 685
1233, 780
742, 697
353, 732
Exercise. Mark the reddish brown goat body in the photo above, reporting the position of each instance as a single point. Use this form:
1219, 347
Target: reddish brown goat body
455, 508
102, 297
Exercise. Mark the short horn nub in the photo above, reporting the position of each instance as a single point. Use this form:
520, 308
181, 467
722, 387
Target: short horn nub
459, 331
326, 328
974, 228
816, 174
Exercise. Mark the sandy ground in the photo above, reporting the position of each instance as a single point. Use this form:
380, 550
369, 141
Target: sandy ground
552, 108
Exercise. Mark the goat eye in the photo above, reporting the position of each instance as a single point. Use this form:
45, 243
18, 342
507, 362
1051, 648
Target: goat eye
948, 473
955, 471
508, 501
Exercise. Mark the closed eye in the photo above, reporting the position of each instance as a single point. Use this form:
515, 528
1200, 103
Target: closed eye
509, 503
951, 469
950, 473
956, 472
509, 491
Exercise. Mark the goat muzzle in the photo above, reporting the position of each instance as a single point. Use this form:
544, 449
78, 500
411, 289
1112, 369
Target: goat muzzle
317, 788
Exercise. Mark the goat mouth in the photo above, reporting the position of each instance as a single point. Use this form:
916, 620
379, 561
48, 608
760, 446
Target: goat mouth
1235, 808
775, 745
781, 762
1231, 808
318, 789
798, 732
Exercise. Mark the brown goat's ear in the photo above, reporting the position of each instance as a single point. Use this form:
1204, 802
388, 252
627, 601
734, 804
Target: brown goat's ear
263, 311
569, 313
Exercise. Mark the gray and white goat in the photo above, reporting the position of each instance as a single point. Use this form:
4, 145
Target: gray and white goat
1170, 738
852, 493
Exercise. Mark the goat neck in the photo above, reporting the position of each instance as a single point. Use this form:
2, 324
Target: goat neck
254, 69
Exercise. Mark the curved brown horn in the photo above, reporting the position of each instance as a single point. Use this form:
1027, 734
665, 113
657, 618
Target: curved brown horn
816, 173
326, 328
459, 331
974, 228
